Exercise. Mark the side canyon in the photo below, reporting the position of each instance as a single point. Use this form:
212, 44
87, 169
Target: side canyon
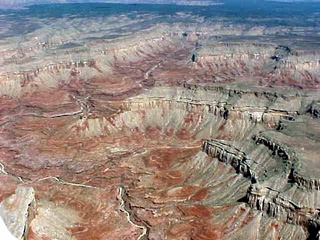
126, 122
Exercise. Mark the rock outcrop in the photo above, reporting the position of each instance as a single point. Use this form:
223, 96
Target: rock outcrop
151, 124
15, 211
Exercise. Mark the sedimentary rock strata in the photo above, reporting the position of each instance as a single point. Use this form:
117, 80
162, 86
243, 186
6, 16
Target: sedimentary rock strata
117, 127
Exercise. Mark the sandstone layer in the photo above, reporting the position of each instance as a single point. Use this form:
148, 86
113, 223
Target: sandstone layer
117, 127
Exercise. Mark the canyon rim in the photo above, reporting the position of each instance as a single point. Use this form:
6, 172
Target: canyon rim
181, 120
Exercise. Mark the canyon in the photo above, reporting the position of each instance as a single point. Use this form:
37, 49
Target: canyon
126, 122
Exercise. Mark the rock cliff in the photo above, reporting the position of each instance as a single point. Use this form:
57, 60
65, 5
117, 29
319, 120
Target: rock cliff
190, 127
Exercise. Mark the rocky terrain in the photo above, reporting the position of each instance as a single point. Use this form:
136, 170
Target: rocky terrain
124, 123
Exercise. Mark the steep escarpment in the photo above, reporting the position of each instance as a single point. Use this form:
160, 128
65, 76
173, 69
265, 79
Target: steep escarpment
97, 61
265, 64
158, 125
150, 151
283, 175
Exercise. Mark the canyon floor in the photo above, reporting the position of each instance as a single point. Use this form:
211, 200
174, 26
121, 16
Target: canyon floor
169, 122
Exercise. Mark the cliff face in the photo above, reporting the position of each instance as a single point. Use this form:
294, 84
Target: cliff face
266, 63
181, 130
155, 138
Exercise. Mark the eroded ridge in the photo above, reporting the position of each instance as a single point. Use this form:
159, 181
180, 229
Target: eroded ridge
180, 117
150, 124
266, 193
144, 229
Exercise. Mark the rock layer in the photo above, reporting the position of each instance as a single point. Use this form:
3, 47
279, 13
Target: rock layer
117, 127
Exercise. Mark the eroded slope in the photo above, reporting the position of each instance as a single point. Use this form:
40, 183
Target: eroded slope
177, 131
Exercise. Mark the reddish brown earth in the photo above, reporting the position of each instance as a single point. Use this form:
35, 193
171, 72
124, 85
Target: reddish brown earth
39, 145
118, 172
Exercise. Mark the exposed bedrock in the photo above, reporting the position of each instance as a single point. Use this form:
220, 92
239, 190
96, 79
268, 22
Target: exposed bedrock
266, 64
314, 109
238, 102
49, 73
151, 53
15, 211
305, 181
231, 156
143, 157
285, 152
118, 137
275, 189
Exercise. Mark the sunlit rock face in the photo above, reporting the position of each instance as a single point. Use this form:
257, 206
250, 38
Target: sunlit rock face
134, 123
